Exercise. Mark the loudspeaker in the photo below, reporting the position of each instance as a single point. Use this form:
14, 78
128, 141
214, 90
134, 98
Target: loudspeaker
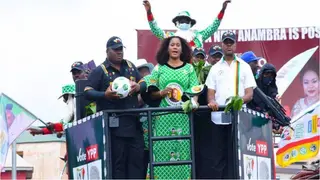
81, 101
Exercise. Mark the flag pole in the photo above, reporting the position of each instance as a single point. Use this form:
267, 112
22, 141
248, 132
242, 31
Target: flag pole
14, 161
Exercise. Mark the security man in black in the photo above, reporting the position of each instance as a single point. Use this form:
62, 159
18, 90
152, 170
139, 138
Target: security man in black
127, 145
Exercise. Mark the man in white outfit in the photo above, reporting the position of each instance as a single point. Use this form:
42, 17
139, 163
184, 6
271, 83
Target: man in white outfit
230, 76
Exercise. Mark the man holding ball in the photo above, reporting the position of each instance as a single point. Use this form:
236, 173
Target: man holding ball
127, 144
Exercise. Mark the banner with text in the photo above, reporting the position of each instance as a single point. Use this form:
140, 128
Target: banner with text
256, 159
85, 147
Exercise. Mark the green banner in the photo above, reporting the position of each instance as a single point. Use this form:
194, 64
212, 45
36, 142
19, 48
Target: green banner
17, 117
14, 119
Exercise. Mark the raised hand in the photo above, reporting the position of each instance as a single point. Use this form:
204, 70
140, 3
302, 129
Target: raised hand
225, 4
147, 5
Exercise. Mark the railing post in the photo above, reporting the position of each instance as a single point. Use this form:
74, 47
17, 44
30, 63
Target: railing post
236, 143
150, 134
107, 132
193, 164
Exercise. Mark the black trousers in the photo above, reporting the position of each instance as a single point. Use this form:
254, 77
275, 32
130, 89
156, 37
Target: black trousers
146, 161
216, 155
127, 157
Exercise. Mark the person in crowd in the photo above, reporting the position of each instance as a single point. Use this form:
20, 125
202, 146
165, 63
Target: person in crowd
144, 69
266, 81
184, 23
309, 77
198, 55
68, 92
173, 71
250, 58
230, 76
127, 145
215, 54
78, 71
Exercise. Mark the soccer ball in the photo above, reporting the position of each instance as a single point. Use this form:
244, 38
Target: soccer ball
121, 86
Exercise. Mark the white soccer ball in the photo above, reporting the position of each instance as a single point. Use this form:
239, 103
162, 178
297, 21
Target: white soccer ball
121, 85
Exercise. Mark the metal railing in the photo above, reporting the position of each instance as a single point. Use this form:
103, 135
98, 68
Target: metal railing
150, 113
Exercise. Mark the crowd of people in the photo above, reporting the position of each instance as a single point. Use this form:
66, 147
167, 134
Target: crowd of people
174, 73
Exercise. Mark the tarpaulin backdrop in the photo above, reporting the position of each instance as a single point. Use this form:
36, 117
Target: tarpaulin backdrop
277, 46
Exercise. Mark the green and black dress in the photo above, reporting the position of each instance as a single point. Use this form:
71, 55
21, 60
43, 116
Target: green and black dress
180, 79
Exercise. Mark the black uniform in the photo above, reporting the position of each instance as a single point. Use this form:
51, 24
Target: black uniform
267, 86
126, 140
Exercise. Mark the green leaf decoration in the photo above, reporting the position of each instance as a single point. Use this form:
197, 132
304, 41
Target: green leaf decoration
187, 106
202, 71
91, 109
235, 104
198, 68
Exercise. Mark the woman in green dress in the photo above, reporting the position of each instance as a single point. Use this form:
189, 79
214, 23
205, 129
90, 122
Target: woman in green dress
173, 75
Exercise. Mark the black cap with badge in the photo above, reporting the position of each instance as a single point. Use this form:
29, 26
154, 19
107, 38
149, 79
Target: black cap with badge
198, 51
78, 65
229, 35
114, 42
215, 50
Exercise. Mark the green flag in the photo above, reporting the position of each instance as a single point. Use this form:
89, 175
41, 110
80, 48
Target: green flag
16, 116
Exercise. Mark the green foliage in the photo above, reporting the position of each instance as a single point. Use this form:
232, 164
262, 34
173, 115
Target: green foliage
235, 104
90, 109
202, 71
187, 106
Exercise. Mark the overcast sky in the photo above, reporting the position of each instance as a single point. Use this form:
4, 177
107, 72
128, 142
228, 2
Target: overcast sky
39, 39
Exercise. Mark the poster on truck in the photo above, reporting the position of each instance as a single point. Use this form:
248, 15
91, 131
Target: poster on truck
86, 148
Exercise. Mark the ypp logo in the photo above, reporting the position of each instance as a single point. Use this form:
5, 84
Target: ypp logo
92, 152
262, 148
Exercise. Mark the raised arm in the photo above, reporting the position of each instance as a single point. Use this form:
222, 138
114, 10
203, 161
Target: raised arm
212, 28
152, 22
